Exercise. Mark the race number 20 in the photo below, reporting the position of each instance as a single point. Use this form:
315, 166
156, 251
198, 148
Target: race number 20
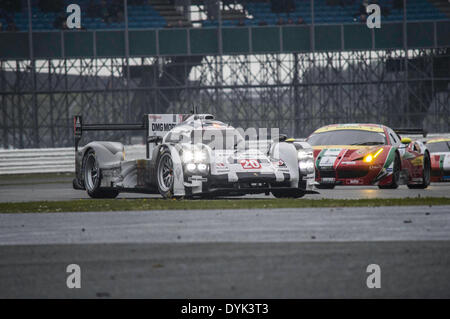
250, 164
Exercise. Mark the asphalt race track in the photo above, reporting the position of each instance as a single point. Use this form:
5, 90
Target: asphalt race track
283, 253
288, 253
60, 188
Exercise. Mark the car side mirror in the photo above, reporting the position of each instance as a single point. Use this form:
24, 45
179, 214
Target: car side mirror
406, 140
282, 138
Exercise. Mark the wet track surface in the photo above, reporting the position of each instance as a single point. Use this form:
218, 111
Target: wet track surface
60, 188
283, 253
288, 253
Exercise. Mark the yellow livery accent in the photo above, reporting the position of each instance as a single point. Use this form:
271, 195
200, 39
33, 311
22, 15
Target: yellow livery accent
438, 140
361, 127
348, 147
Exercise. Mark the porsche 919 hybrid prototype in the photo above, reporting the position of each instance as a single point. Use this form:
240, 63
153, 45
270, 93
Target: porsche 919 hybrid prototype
178, 164
439, 149
368, 154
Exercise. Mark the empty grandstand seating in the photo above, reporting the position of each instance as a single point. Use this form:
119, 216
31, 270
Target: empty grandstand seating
347, 13
139, 16
144, 15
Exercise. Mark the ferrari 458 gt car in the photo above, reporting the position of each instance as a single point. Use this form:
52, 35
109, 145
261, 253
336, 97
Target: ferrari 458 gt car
192, 155
439, 149
368, 154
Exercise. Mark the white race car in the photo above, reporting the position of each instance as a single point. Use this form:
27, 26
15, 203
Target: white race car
440, 159
190, 156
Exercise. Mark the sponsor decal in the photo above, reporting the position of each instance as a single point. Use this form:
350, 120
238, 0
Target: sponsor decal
327, 157
222, 168
327, 161
160, 124
348, 163
418, 161
197, 179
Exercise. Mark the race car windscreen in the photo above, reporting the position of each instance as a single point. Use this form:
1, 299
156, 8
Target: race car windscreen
219, 139
438, 147
347, 137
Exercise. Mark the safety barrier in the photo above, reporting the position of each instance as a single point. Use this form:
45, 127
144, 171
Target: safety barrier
50, 160
61, 160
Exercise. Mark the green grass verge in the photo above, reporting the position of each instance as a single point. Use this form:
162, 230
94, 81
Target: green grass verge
90, 205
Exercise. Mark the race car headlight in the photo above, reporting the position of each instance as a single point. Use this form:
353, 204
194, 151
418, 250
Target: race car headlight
194, 156
370, 157
202, 168
306, 167
191, 167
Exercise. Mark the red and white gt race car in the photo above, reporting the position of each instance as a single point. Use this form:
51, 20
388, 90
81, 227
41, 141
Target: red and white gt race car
368, 154
439, 149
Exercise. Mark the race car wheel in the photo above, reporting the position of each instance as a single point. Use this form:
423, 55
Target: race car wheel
325, 186
426, 174
92, 178
395, 174
164, 174
288, 193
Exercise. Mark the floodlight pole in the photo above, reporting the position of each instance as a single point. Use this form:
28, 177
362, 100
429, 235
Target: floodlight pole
33, 74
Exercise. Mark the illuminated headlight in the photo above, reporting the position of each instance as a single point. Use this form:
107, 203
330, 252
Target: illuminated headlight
370, 157
195, 156
304, 155
202, 167
191, 167
306, 167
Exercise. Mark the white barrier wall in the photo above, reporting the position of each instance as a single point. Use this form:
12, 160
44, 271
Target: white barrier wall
50, 160
62, 160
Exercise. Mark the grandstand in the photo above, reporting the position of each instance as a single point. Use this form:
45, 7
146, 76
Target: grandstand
147, 15
249, 62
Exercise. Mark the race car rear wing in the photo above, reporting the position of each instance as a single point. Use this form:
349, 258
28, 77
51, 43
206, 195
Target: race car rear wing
401, 131
79, 127
155, 127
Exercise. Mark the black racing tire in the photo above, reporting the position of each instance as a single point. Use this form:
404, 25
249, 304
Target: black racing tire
395, 174
165, 174
325, 186
288, 193
426, 174
92, 178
